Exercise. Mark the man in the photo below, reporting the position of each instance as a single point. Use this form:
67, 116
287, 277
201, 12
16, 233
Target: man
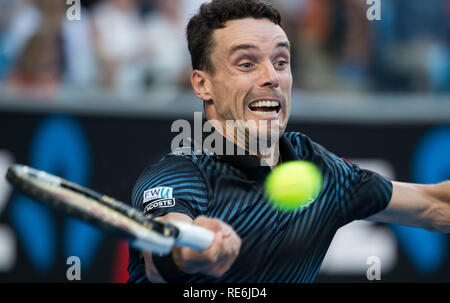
241, 70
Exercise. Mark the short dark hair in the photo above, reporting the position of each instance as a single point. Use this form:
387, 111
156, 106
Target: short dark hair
214, 15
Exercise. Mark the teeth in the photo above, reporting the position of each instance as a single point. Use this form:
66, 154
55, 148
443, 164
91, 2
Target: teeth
265, 103
265, 112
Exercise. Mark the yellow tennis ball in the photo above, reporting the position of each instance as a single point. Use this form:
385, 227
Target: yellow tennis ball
293, 184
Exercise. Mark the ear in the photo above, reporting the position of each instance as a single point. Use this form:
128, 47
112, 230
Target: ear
201, 85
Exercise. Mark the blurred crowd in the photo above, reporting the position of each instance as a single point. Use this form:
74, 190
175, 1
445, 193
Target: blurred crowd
139, 44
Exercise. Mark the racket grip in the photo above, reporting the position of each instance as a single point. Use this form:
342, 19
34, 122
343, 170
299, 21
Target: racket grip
193, 236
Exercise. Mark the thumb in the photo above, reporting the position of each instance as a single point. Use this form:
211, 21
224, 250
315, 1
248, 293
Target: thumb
214, 224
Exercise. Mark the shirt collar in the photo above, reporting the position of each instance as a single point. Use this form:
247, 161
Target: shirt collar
251, 164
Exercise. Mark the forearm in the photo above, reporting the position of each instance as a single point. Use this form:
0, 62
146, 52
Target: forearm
438, 213
418, 205
150, 270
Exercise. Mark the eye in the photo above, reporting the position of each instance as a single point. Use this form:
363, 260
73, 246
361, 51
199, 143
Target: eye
246, 65
281, 63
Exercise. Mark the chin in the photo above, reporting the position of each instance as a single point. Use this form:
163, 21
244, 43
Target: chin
270, 131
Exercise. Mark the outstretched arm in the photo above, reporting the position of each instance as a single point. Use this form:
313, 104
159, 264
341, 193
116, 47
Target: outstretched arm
418, 205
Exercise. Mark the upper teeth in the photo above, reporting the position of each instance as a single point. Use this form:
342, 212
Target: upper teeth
265, 103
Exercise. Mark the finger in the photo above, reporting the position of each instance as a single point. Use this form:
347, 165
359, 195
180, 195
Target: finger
227, 230
224, 263
217, 270
223, 268
229, 252
214, 251
209, 255
208, 260
213, 224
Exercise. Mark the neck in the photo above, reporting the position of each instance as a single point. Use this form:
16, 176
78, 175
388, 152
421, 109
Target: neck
267, 149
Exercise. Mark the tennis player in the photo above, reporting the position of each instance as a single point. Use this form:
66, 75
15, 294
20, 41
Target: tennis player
241, 70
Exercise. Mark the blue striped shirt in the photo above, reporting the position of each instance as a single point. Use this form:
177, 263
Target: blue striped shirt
276, 246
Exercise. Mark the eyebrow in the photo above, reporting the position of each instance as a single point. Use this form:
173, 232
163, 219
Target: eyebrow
284, 44
246, 46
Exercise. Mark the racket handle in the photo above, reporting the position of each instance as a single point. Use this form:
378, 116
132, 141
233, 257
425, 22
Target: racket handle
193, 236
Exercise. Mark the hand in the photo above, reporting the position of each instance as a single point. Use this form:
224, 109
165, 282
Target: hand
217, 258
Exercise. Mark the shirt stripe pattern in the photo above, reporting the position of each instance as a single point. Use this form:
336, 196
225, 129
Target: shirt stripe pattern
276, 246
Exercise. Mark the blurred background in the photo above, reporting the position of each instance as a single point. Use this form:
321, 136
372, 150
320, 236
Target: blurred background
89, 92
120, 45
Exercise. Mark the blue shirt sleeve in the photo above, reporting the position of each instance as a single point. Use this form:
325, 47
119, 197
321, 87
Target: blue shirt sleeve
364, 194
174, 184
358, 193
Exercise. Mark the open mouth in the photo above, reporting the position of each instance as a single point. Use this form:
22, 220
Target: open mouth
265, 106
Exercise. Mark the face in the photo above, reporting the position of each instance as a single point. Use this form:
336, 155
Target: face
252, 80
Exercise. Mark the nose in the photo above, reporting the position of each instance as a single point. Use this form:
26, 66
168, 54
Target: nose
269, 76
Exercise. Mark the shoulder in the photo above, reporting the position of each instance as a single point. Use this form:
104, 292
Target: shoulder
173, 165
178, 172
335, 168
358, 192
307, 149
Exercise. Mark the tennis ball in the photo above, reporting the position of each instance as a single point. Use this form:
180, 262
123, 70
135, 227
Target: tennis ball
293, 184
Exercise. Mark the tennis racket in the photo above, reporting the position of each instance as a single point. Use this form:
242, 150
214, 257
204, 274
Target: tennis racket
114, 216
